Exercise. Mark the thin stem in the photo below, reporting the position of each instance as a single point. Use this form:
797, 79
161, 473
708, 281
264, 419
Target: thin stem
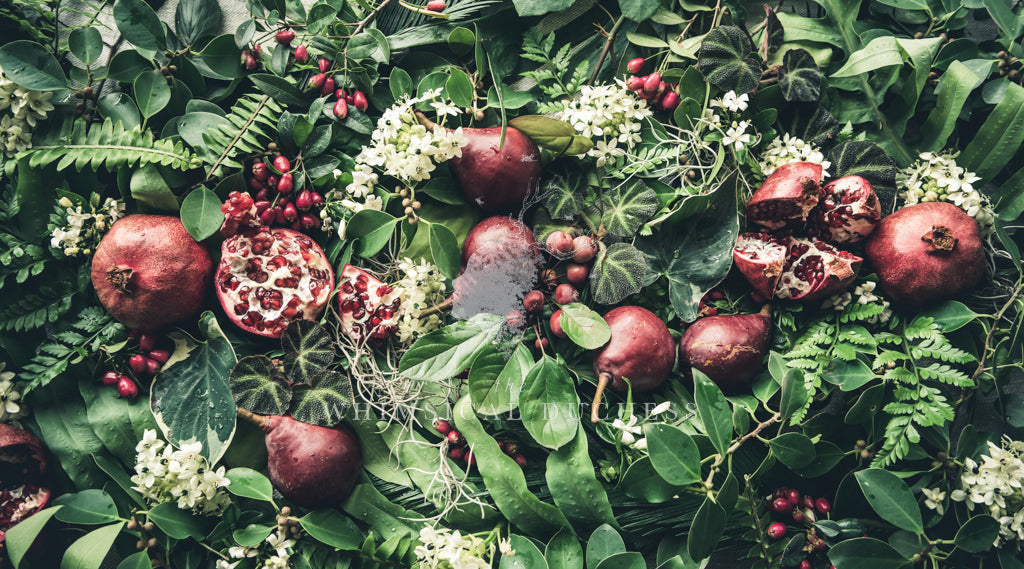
258, 420
757, 430
607, 46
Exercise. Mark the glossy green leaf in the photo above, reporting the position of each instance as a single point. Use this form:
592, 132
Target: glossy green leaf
459, 88
251, 535
603, 543
177, 523
794, 450
139, 25
956, 86
119, 107
862, 552
586, 328
88, 551
674, 455
642, 481
137, 560
248, 483
880, 52
446, 352
279, 88
627, 560
706, 531
373, 229
151, 92
998, 138
526, 556
86, 44
977, 534
848, 375
496, 379
950, 315
400, 83
20, 538
88, 507
31, 66
572, 480
321, 15
444, 247
195, 20
333, 528
549, 404
564, 551
714, 411
200, 213
794, 393
891, 498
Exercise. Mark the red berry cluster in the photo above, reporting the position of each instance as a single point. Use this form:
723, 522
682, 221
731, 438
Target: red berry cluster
460, 452
662, 96
146, 363
577, 253
274, 200
251, 57
705, 308
805, 510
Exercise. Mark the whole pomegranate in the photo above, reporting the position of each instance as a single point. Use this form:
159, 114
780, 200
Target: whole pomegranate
786, 197
729, 349
926, 252
847, 212
22, 464
312, 466
270, 278
370, 310
149, 273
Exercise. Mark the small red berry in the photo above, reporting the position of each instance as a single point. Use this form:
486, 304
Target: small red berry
798, 516
585, 248
805, 564
556, 324
317, 199
328, 87
126, 387
152, 366
577, 274
566, 294
511, 448
457, 453
282, 163
470, 458
533, 302
652, 82
777, 530
137, 364
635, 65
669, 101
284, 37
147, 342
339, 93
301, 54
541, 344
317, 81
794, 497
250, 63
822, 505
455, 438
111, 377
359, 101
290, 213
635, 83
159, 355
781, 505
272, 182
808, 502
304, 200
269, 216
324, 64
520, 460
435, 5
341, 108
309, 221
286, 183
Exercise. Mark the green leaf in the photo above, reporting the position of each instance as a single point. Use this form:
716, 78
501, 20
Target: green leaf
827, 456
726, 59
998, 139
627, 208
586, 328
694, 254
120, 108
527, 8
794, 393
139, 24
955, 86
86, 44
446, 352
549, 404
31, 66
320, 16
562, 199
248, 483
151, 92
119, 423
461, 41
279, 88
400, 83
848, 375
644, 40
326, 402
333, 528
714, 411
706, 531
880, 52
617, 273
564, 551
794, 450
865, 159
138, 560
255, 386
638, 10
177, 523
799, 77
674, 455
552, 134
526, 556
603, 543
373, 229
496, 380
308, 350
197, 372
627, 560
222, 57
194, 20
200, 213
444, 247
251, 535
891, 498
88, 507
977, 534
20, 538
459, 88
950, 315
863, 552
88, 551
572, 480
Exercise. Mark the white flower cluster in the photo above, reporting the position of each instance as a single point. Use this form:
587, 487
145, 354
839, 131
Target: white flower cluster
403, 148
611, 116
737, 136
163, 474
421, 286
632, 427
10, 409
732, 102
937, 178
81, 231
732, 106
20, 110
791, 149
865, 293
996, 486
273, 553
442, 548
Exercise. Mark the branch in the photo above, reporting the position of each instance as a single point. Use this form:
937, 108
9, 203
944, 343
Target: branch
757, 430
607, 46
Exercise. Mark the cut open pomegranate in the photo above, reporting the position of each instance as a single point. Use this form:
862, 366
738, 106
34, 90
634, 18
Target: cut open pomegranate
22, 463
370, 310
272, 277
786, 197
847, 212
793, 267
761, 258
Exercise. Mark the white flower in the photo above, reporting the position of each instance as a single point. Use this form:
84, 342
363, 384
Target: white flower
443, 108
995, 485
791, 149
629, 429
937, 177
10, 409
732, 102
737, 136
606, 151
933, 499
660, 408
164, 474
607, 114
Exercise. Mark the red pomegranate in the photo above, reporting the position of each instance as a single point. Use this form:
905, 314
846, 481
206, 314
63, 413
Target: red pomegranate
22, 464
786, 197
270, 278
792, 267
847, 211
926, 252
149, 273
370, 309
761, 258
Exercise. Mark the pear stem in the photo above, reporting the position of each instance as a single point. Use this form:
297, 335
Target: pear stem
766, 311
258, 420
446, 304
602, 382
423, 120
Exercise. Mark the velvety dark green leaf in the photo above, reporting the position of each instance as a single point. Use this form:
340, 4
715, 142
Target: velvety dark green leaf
714, 411
197, 373
603, 543
863, 552
812, 123
673, 453
326, 402
32, 66
799, 76
617, 273
496, 380
794, 450
891, 498
308, 349
694, 254
867, 160
443, 353
586, 328
774, 33
333, 528
88, 507
628, 207
549, 404
196, 19
727, 62
256, 387
561, 199
139, 25
706, 531
977, 534
574, 486
86, 44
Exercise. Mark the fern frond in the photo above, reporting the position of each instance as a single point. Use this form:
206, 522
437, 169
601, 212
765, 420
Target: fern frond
71, 344
111, 146
37, 309
20, 258
253, 123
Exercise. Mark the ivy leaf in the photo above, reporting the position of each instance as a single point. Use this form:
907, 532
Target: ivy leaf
869, 161
618, 272
694, 255
254, 386
308, 350
324, 403
562, 200
725, 59
799, 77
627, 208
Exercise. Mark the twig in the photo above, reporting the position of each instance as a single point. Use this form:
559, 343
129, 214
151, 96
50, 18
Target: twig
757, 430
995, 325
607, 46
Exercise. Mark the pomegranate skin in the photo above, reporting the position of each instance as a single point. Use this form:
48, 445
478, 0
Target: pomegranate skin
787, 196
728, 349
908, 271
310, 465
641, 349
149, 273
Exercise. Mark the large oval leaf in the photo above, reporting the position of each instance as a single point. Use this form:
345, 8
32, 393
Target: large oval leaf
443, 353
31, 66
139, 24
191, 398
496, 380
88, 551
586, 328
891, 498
574, 486
673, 453
549, 404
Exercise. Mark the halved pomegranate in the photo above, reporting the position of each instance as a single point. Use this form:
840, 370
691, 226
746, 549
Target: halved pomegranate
272, 277
370, 310
847, 212
761, 258
22, 463
786, 197
816, 270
